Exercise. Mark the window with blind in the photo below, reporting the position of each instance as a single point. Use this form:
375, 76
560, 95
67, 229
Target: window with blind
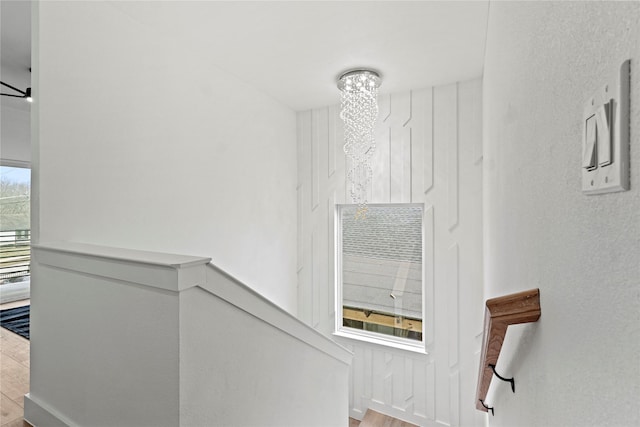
379, 271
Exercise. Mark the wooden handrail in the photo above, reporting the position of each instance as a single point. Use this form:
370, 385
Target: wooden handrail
521, 307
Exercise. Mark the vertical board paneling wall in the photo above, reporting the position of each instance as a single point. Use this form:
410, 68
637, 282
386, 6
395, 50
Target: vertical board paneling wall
428, 150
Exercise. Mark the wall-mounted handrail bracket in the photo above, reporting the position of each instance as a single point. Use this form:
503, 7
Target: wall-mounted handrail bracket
486, 407
521, 307
508, 380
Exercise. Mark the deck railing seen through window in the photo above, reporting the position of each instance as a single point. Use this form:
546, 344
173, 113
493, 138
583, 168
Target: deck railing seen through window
15, 255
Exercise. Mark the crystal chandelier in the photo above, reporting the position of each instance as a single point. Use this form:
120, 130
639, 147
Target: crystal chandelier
359, 111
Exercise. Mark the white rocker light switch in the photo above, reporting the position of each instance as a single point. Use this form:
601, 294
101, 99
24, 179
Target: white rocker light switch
603, 126
605, 138
589, 146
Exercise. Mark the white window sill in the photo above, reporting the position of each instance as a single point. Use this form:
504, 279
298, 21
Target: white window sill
377, 339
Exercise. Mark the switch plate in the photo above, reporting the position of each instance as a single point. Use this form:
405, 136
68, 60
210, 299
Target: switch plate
605, 161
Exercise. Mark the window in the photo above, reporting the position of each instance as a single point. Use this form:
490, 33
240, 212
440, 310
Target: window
15, 233
379, 286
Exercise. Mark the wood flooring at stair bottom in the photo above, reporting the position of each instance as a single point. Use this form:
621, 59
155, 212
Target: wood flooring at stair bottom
14, 374
376, 419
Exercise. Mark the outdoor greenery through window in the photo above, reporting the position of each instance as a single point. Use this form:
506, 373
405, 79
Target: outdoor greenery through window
15, 233
380, 271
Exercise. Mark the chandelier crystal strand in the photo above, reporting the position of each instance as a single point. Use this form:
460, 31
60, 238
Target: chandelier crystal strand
359, 112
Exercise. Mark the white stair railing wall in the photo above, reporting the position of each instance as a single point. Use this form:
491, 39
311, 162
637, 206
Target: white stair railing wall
122, 338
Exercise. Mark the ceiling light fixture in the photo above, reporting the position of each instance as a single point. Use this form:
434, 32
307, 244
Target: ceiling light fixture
23, 94
359, 111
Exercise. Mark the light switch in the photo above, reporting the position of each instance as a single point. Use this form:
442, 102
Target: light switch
603, 126
589, 147
605, 138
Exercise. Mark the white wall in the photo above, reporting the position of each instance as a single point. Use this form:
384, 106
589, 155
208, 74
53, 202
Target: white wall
105, 345
429, 150
131, 338
15, 137
245, 363
15, 132
578, 365
143, 143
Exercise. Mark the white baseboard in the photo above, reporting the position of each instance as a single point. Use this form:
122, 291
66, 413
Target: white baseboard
39, 416
15, 291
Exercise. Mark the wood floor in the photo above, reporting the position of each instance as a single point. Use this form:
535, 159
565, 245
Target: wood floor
14, 374
376, 419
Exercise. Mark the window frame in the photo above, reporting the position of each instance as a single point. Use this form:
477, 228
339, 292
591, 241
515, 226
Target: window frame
408, 344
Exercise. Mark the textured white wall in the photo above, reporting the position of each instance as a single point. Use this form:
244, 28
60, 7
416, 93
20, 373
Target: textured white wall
578, 365
429, 150
15, 138
143, 143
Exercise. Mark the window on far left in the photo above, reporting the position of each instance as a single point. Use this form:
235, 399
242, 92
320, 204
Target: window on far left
15, 226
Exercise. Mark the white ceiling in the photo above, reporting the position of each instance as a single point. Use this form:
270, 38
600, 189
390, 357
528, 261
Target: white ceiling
295, 50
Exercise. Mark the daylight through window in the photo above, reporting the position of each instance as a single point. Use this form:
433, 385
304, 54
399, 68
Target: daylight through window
380, 271
15, 233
